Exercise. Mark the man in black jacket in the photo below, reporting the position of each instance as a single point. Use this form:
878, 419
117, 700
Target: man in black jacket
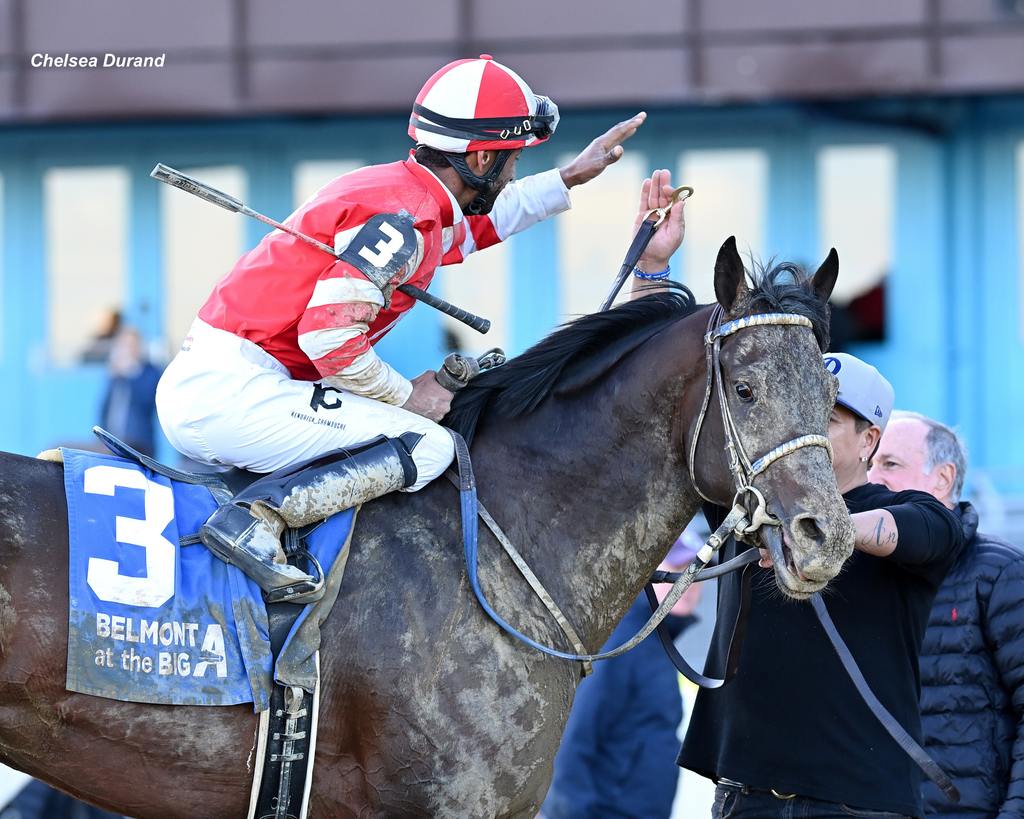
790, 736
972, 660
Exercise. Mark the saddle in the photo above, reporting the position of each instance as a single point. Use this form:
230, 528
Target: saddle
223, 486
287, 734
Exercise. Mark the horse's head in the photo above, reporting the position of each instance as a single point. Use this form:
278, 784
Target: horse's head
770, 431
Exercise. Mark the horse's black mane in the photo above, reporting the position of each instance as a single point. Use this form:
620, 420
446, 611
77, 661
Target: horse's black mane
596, 341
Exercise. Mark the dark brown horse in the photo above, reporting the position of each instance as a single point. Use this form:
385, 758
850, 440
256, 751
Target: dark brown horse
581, 448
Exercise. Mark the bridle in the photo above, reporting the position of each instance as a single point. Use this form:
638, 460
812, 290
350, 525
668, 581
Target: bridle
744, 522
743, 470
739, 522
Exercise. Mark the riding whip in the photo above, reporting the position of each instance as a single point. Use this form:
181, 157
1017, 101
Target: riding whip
644, 234
189, 184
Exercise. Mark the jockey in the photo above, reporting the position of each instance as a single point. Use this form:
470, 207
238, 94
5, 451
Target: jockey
278, 372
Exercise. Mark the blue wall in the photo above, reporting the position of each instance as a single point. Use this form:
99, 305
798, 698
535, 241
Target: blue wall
954, 331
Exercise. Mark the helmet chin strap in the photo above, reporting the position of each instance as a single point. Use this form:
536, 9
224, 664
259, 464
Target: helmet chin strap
484, 184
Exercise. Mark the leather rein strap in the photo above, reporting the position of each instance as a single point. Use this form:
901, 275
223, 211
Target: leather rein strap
652, 219
471, 509
739, 522
909, 745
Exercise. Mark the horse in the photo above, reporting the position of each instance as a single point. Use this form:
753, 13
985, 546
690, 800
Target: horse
581, 447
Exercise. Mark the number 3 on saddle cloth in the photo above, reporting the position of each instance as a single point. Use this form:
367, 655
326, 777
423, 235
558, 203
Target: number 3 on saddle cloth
154, 621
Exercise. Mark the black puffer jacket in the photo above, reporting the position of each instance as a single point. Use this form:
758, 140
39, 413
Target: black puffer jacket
972, 678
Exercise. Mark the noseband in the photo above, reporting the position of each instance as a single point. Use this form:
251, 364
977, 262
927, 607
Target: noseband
743, 470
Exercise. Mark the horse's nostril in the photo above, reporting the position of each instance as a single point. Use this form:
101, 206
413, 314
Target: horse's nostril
808, 528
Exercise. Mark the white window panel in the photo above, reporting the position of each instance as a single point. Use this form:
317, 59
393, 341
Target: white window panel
729, 200
594, 235
312, 175
201, 245
856, 185
480, 285
86, 223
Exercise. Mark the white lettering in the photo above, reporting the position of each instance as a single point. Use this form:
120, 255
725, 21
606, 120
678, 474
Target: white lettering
102, 624
166, 634
117, 627
147, 632
213, 647
109, 60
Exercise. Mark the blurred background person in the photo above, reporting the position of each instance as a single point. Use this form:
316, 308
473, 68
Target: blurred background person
39, 801
972, 658
617, 754
97, 351
129, 401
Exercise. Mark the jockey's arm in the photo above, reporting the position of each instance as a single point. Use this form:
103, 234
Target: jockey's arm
521, 204
334, 334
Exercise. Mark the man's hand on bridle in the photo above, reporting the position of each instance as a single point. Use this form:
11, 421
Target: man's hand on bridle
602, 152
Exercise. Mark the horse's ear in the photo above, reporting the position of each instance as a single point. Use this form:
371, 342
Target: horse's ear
825, 277
728, 274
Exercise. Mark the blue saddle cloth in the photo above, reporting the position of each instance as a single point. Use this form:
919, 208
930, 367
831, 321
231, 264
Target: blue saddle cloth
153, 621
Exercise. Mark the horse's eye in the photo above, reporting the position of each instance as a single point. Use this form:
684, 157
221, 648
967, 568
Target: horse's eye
744, 392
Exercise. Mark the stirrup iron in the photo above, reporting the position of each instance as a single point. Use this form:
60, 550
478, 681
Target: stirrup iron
235, 536
247, 531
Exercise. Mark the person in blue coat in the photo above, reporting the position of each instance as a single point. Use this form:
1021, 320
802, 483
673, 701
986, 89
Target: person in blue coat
129, 401
972, 658
617, 757
39, 801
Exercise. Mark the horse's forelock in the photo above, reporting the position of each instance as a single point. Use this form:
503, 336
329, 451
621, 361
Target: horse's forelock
786, 288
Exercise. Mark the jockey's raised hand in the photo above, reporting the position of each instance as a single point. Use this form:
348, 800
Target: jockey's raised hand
656, 192
604, 151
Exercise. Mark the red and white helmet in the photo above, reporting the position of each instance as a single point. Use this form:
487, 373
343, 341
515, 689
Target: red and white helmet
475, 105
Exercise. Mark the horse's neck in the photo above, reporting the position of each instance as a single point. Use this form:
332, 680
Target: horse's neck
594, 489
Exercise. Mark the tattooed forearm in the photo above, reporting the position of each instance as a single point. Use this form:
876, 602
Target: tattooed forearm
882, 535
876, 532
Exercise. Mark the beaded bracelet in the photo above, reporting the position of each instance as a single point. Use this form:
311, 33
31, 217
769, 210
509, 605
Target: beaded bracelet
662, 274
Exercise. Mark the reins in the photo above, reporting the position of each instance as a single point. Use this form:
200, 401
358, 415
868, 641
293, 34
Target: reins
739, 522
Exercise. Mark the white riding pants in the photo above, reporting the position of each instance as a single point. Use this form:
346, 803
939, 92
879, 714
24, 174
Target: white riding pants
223, 400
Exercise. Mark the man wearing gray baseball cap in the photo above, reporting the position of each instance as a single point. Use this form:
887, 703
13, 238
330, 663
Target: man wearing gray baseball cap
862, 410
790, 736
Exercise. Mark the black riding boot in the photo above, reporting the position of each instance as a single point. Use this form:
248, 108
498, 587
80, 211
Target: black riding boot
247, 531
